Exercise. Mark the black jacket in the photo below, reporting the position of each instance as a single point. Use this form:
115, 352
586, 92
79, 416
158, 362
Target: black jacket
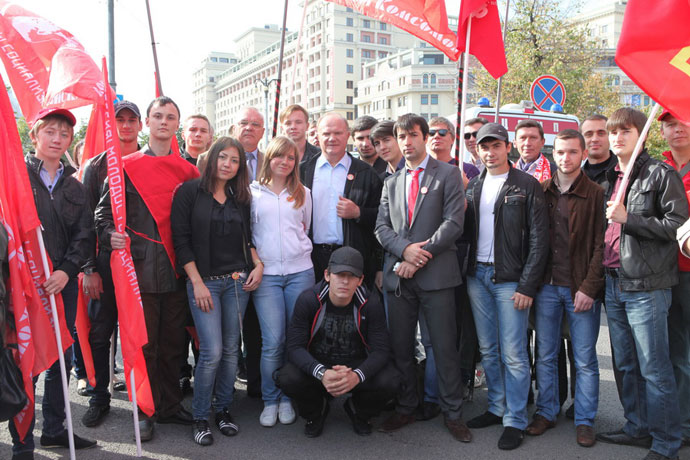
65, 216
598, 173
310, 151
657, 205
365, 190
370, 319
155, 273
190, 219
521, 230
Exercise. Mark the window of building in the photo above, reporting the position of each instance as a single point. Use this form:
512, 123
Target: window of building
432, 79
366, 23
214, 59
349, 116
349, 53
432, 59
367, 54
383, 40
348, 99
425, 99
434, 99
382, 54
604, 29
349, 84
382, 26
349, 22
349, 10
349, 37
425, 80
211, 79
224, 60
349, 68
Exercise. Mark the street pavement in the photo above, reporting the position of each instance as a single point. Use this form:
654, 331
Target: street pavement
420, 440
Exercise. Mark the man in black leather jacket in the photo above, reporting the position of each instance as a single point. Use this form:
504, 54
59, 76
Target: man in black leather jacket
508, 253
641, 265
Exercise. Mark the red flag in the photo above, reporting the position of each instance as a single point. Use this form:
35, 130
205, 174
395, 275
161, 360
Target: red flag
46, 65
83, 325
94, 141
133, 335
486, 38
37, 347
425, 19
654, 51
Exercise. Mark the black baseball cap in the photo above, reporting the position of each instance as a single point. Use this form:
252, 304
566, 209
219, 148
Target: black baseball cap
127, 105
346, 259
492, 131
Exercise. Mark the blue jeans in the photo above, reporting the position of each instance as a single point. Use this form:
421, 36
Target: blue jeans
274, 301
219, 338
552, 302
679, 346
430, 377
638, 324
502, 334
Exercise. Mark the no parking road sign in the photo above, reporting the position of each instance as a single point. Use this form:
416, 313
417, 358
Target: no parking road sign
546, 91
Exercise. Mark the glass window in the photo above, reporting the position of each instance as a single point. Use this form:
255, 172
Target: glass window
350, 84
366, 38
349, 53
349, 37
425, 99
349, 22
434, 99
425, 79
382, 26
349, 68
366, 23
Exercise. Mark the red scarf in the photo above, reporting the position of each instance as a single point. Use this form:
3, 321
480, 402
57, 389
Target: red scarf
543, 171
156, 179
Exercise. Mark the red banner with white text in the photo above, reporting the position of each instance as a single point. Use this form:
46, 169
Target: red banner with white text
486, 38
425, 19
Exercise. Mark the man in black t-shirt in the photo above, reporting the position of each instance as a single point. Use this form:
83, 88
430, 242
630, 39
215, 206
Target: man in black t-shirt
337, 343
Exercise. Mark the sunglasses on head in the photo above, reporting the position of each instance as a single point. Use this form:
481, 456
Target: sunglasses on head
468, 135
441, 132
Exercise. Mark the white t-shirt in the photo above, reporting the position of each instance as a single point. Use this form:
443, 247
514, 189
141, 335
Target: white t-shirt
485, 241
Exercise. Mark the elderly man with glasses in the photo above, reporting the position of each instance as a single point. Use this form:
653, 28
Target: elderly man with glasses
440, 145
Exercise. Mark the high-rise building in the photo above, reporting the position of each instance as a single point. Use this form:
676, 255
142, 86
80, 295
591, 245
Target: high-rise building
204, 93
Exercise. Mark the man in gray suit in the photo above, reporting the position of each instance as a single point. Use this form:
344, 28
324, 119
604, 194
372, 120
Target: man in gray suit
420, 217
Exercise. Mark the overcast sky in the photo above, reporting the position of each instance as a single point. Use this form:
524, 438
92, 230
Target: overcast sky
185, 32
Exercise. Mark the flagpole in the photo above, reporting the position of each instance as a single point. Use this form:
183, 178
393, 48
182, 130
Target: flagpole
638, 148
458, 125
465, 80
58, 339
112, 361
135, 411
500, 79
153, 47
276, 109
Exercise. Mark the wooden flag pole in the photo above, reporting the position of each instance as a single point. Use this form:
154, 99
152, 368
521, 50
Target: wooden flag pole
153, 47
58, 339
276, 109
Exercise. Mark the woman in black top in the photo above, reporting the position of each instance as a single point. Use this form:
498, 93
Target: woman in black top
212, 237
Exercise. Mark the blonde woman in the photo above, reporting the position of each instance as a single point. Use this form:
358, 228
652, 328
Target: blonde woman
281, 214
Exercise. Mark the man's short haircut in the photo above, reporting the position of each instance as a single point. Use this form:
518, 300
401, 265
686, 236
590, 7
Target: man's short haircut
408, 121
472, 121
382, 129
362, 124
571, 134
530, 124
160, 102
333, 114
444, 121
199, 116
595, 117
626, 117
290, 109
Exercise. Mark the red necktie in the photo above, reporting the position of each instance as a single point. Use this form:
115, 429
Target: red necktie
414, 190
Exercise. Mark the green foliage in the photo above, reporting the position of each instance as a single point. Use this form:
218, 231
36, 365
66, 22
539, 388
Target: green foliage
541, 40
23, 128
655, 144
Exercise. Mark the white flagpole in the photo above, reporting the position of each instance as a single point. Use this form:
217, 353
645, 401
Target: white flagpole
500, 79
638, 148
465, 80
135, 411
58, 339
112, 361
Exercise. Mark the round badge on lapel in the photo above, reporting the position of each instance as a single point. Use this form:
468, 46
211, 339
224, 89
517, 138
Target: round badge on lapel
290, 199
350, 177
424, 190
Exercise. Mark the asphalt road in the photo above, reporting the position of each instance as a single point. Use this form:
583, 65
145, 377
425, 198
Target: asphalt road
420, 440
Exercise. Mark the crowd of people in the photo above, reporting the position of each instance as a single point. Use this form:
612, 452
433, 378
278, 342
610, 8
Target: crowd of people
318, 271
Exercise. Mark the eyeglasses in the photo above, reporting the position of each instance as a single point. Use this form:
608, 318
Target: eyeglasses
441, 132
468, 135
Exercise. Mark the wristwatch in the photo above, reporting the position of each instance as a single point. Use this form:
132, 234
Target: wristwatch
320, 373
89, 271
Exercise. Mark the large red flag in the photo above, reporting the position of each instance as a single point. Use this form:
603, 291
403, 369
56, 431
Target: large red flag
35, 336
133, 335
486, 38
654, 51
425, 19
46, 65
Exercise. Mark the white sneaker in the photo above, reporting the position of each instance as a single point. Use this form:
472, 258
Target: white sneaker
286, 413
269, 416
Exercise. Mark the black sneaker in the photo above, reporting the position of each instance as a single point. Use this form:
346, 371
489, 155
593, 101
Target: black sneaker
94, 415
202, 433
484, 420
185, 386
225, 423
314, 427
62, 440
361, 427
511, 438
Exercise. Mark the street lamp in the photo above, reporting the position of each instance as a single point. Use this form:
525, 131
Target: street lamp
266, 83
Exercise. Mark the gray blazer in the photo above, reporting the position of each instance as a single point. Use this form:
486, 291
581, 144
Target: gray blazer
438, 216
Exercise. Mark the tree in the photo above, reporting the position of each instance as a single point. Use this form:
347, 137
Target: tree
541, 40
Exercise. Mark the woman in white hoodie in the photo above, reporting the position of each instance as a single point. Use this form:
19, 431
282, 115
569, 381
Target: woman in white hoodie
281, 215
